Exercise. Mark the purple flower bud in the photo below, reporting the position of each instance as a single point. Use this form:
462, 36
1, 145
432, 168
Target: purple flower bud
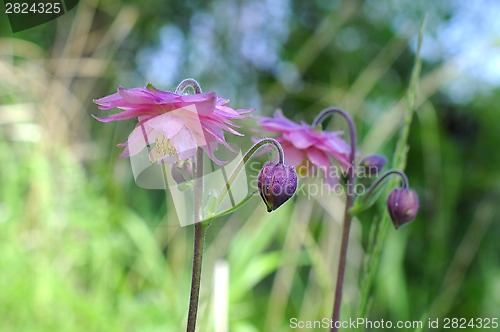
372, 164
182, 171
277, 183
403, 206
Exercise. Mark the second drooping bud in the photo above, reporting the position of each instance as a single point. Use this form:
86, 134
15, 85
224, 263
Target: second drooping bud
372, 164
182, 171
277, 182
403, 206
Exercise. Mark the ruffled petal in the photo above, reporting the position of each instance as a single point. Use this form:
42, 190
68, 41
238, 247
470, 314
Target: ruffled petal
280, 124
209, 150
185, 144
318, 158
137, 96
167, 123
204, 102
293, 156
186, 121
300, 139
138, 140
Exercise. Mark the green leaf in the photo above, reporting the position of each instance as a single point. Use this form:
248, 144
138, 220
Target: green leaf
212, 215
364, 202
150, 87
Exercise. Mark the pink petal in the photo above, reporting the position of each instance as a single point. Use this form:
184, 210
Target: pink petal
204, 102
318, 158
125, 153
167, 123
300, 139
293, 156
137, 96
220, 125
209, 150
107, 101
219, 136
228, 112
125, 115
280, 123
139, 139
189, 121
184, 143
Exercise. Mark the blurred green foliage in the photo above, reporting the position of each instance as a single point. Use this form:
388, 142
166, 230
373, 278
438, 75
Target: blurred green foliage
82, 248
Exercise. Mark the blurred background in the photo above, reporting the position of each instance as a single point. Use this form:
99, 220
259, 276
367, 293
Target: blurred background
83, 248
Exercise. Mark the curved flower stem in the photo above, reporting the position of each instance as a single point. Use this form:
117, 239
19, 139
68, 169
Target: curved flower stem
352, 129
346, 227
404, 179
199, 227
188, 82
199, 240
244, 160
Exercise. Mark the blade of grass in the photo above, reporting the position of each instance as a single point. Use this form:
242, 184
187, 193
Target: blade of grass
399, 162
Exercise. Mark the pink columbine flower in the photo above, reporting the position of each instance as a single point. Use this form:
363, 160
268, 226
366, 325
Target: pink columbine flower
307, 146
172, 126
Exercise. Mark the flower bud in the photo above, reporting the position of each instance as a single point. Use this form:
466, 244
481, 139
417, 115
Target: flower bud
372, 164
402, 205
277, 183
182, 171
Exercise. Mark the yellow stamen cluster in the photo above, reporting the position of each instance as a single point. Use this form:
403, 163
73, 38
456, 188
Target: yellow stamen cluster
163, 148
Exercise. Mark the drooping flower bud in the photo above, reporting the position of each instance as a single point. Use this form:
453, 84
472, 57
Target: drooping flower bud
182, 171
277, 182
402, 205
372, 164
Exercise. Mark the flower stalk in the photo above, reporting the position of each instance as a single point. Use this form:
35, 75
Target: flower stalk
253, 149
178, 128
199, 241
199, 228
374, 186
188, 83
402, 203
346, 226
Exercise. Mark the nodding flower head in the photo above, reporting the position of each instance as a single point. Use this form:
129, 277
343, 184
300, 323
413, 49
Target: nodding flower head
277, 182
372, 164
307, 146
172, 125
402, 205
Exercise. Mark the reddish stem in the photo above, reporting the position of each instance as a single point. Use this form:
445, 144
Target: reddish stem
346, 226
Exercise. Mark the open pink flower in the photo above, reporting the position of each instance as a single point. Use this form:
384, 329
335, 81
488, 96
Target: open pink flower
307, 146
172, 126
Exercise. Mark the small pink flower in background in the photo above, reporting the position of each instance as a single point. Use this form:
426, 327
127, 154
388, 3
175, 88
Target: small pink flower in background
303, 143
172, 125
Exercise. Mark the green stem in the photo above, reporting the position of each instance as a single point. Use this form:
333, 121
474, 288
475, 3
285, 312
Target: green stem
199, 227
383, 177
199, 240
